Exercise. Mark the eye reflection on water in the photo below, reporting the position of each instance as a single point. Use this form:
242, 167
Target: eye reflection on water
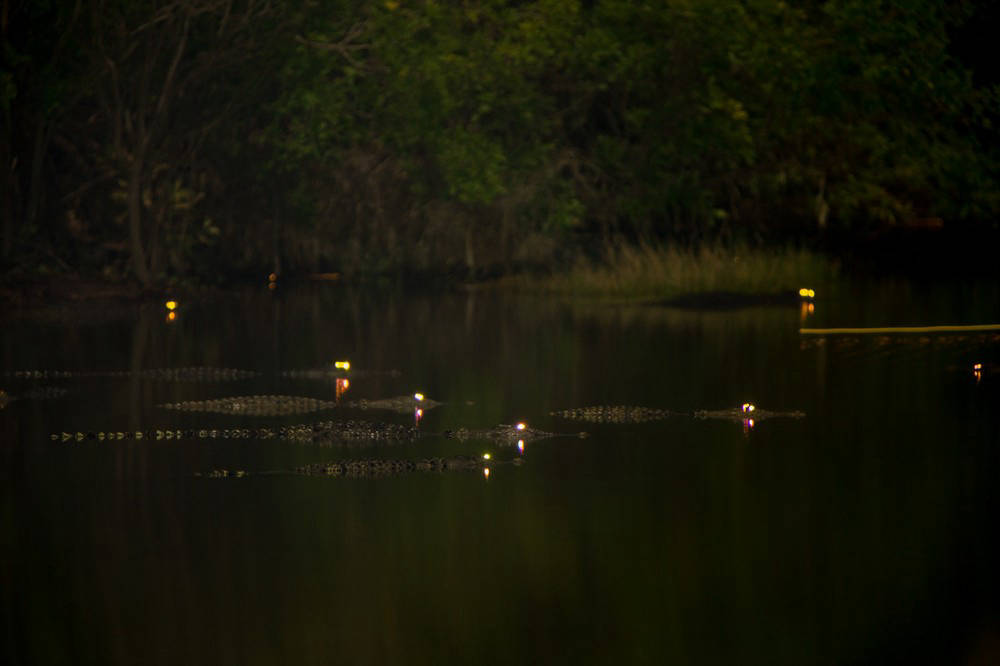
672, 538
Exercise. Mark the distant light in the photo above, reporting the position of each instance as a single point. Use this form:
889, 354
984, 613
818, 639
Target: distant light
812, 308
273, 277
419, 397
171, 316
171, 305
417, 415
748, 407
342, 365
486, 456
486, 472
977, 366
807, 293
749, 423
520, 445
521, 426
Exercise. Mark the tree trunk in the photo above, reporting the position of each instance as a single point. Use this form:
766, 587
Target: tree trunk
139, 265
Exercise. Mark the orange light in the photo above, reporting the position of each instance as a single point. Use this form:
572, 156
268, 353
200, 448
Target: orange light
342, 385
520, 445
171, 316
418, 414
272, 285
486, 472
977, 367
273, 277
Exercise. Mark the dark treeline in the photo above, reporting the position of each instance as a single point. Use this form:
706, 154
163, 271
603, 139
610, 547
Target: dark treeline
166, 139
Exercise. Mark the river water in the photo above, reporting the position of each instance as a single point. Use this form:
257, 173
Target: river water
862, 533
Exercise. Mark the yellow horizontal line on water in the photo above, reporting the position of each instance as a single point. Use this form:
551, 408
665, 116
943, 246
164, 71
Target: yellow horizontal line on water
901, 329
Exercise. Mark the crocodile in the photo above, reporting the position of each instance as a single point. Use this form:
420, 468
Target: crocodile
34, 393
507, 435
324, 433
254, 405
634, 414
403, 404
281, 405
746, 414
186, 374
374, 468
331, 373
614, 414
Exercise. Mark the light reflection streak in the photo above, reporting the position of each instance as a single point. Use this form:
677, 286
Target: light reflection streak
343, 384
520, 446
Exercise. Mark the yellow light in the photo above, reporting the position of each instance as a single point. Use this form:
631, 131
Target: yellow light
747, 407
486, 456
977, 367
804, 293
521, 426
171, 305
520, 445
342, 365
419, 397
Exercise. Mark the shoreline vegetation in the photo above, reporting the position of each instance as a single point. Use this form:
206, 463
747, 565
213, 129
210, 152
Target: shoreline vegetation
711, 275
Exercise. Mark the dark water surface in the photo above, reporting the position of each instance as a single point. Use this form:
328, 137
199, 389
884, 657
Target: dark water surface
864, 533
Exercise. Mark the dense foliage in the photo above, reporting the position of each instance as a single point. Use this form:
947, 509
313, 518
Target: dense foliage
179, 138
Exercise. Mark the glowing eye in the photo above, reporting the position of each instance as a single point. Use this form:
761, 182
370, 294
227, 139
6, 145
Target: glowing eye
342, 365
521, 426
171, 305
486, 456
419, 397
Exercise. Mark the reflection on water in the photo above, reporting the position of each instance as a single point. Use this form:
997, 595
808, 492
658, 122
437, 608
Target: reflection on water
863, 533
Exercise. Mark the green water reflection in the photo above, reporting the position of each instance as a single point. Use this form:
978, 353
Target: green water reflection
863, 533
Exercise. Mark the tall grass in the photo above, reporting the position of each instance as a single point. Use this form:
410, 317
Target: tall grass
649, 272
